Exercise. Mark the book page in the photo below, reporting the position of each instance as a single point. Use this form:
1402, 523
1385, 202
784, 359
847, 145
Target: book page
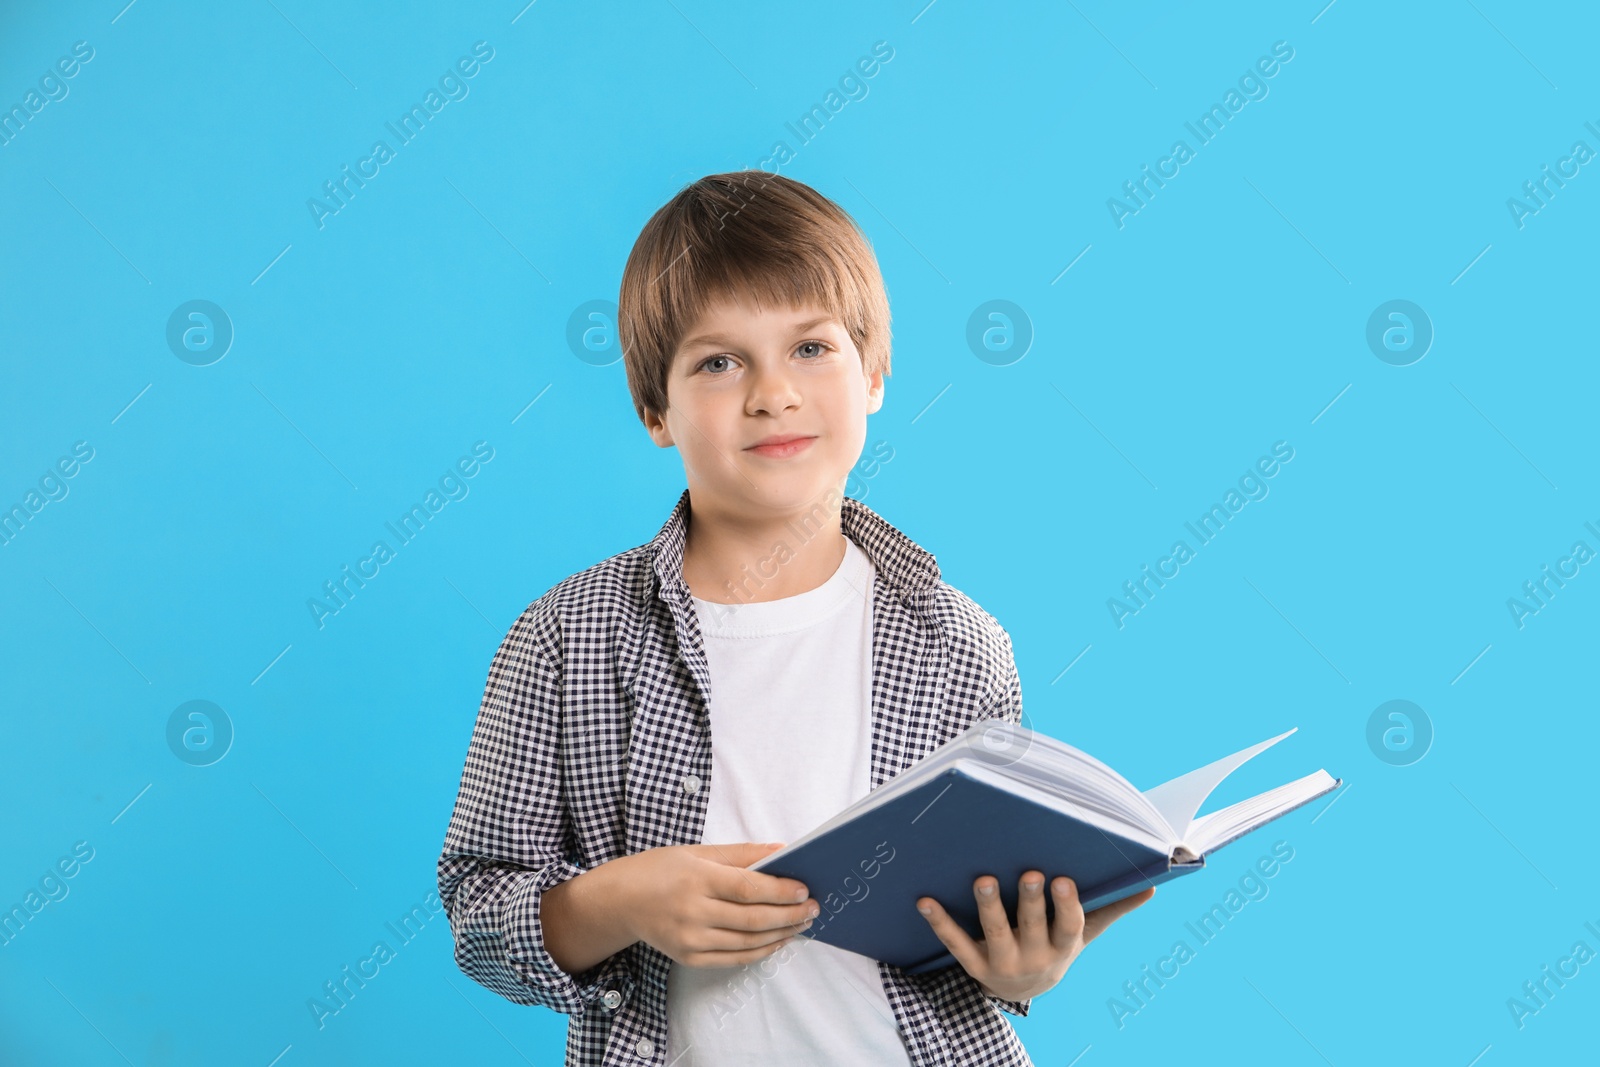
1210, 832
1179, 800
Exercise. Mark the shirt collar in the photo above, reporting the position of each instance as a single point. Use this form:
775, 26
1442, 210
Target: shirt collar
905, 566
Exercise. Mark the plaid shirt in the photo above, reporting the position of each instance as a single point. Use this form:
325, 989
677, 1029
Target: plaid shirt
592, 742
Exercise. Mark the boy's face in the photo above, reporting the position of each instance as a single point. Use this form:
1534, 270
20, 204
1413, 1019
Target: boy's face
741, 376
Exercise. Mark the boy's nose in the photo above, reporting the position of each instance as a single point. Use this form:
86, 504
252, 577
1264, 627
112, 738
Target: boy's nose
772, 392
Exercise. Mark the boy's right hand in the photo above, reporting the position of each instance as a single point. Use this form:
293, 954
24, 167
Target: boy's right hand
700, 906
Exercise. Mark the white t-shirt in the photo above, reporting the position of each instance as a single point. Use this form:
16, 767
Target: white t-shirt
791, 729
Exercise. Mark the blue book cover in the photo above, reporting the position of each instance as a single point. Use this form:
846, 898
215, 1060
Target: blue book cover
1000, 799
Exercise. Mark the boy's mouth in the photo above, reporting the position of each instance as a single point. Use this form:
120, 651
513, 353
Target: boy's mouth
778, 446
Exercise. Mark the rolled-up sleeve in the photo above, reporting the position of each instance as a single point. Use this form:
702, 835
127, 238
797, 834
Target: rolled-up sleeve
510, 836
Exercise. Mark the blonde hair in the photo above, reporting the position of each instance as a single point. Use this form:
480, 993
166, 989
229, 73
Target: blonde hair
745, 235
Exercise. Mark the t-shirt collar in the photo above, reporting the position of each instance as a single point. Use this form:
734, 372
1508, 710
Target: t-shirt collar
905, 566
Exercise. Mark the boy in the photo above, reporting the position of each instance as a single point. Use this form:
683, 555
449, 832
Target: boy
596, 861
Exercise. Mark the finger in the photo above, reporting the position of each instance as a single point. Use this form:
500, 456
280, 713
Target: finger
783, 949
1096, 921
1033, 928
715, 936
748, 925
726, 915
961, 946
1068, 925
752, 887
1000, 943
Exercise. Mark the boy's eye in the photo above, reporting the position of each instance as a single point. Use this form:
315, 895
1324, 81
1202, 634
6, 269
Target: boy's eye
821, 348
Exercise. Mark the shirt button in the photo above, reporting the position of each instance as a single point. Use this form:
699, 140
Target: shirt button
691, 783
645, 1047
611, 998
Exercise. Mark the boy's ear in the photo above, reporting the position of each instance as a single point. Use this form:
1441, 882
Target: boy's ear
875, 392
656, 425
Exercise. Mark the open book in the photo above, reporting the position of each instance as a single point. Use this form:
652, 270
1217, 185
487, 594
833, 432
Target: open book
1001, 799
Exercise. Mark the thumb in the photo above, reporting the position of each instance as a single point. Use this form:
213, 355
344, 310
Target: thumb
740, 853
1096, 922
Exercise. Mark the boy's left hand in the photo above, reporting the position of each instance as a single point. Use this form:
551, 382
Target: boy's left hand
1016, 964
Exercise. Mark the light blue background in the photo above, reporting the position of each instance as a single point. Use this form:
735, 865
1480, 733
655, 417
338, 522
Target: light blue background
1228, 314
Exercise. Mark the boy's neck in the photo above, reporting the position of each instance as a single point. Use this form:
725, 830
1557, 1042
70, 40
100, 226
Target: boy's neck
731, 559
